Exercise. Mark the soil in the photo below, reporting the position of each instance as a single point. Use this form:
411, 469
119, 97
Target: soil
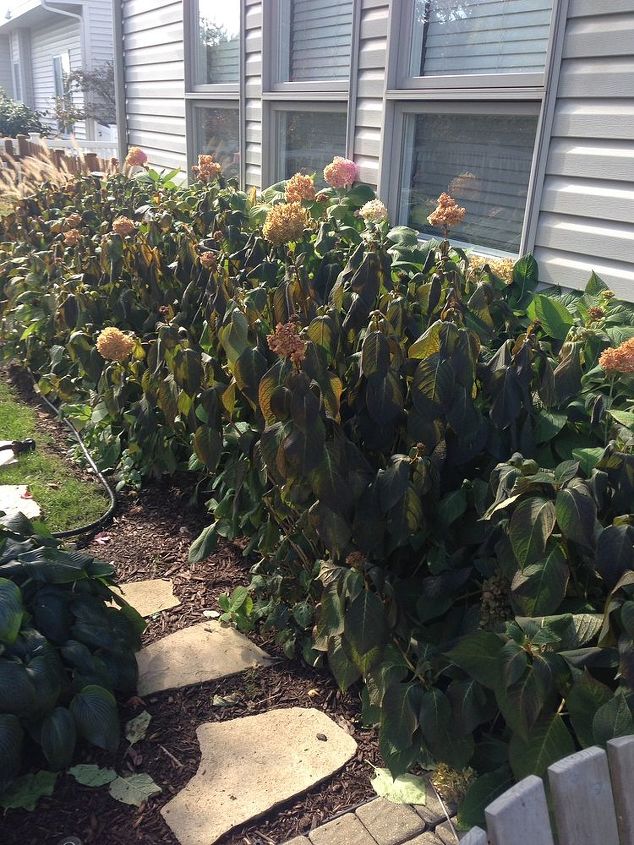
148, 538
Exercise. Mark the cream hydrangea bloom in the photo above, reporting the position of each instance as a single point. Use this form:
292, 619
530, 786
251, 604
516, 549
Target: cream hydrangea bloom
373, 211
114, 345
285, 223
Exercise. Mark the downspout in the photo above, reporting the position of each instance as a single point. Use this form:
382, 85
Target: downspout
78, 16
119, 80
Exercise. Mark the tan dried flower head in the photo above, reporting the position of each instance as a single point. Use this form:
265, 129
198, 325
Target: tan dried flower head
72, 237
114, 345
608, 294
355, 560
447, 214
596, 313
285, 223
300, 187
287, 342
123, 226
208, 260
619, 360
73, 221
450, 783
135, 157
502, 267
207, 168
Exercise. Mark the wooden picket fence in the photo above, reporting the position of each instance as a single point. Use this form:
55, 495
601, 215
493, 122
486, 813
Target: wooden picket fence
64, 154
591, 798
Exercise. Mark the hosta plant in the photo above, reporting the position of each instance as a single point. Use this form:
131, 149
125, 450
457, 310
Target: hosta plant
65, 650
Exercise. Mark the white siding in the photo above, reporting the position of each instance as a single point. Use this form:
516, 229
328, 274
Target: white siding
99, 48
253, 93
154, 79
6, 80
46, 42
370, 88
586, 217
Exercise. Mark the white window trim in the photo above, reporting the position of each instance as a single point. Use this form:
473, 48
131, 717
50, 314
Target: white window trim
405, 93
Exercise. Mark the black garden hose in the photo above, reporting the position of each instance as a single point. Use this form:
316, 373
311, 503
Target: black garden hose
98, 523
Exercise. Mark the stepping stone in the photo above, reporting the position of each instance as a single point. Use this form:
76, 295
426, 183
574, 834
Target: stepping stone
251, 765
6, 455
16, 497
148, 597
346, 829
203, 652
390, 824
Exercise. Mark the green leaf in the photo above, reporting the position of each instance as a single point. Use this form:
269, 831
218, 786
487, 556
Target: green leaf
58, 737
399, 714
530, 527
525, 279
207, 446
478, 654
612, 719
11, 611
89, 774
365, 622
480, 794
626, 418
584, 699
577, 515
375, 354
342, 667
135, 789
595, 285
11, 737
405, 789
136, 729
552, 314
96, 716
588, 458
204, 544
25, 792
17, 693
539, 589
548, 741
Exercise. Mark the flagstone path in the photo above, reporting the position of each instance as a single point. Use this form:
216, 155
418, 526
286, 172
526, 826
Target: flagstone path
251, 764
16, 497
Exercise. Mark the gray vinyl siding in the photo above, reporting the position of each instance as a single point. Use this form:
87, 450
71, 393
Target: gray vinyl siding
6, 79
99, 49
369, 112
154, 79
46, 42
586, 219
253, 94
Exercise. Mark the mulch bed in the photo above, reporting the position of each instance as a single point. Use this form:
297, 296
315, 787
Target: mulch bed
149, 538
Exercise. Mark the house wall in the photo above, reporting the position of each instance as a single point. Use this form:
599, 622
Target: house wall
46, 42
586, 218
6, 79
99, 48
582, 208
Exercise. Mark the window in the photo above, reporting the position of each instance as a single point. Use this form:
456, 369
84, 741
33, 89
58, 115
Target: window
307, 140
315, 40
217, 132
482, 160
217, 43
471, 130
17, 81
63, 97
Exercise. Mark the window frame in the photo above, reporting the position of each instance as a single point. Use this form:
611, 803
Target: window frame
478, 92
276, 49
273, 150
17, 80
216, 95
62, 59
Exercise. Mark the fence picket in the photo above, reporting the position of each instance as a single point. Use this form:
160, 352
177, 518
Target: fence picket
520, 815
621, 760
583, 805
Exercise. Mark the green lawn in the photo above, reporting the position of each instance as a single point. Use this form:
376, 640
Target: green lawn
66, 501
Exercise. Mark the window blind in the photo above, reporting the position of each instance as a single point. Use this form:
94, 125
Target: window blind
483, 161
320, 39
481, 36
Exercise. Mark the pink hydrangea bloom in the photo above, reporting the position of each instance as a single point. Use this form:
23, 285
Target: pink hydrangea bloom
135, 157
341, 172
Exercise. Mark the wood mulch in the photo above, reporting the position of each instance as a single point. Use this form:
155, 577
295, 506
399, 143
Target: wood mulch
150, 537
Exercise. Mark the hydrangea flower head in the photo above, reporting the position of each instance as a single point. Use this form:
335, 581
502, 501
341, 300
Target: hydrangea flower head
373, 211
447, 214
208, 260
285, 341
207, 168
135, 157
300, 187
619, 360
114, 345
285, 223
341, 172
123, 226
72, 237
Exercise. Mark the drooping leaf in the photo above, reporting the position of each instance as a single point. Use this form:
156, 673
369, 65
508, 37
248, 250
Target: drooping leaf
136, 729
539, 589
577, 514
404, 789
204, 544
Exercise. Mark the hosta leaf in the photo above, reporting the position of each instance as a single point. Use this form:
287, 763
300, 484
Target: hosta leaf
17, 693
96, 717
548, 741
11, 610
25, 792
89, 774
405, 789
531, 525
58, 736
135, 789
136, 729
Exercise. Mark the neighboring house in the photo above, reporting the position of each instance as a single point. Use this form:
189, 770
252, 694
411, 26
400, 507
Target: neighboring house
523, 109
41, 41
